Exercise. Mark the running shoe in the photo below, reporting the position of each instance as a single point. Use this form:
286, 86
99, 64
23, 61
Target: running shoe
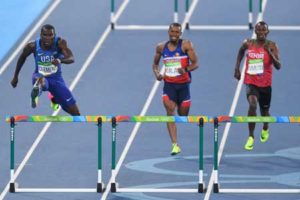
35, 96
175, 149
54, 106
264, 136
250, 143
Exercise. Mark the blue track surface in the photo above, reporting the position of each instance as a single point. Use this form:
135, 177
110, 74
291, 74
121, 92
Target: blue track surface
16, 17
118, 82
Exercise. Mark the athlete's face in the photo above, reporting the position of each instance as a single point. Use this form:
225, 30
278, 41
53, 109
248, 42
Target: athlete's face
174, 33
261, 31
47, 37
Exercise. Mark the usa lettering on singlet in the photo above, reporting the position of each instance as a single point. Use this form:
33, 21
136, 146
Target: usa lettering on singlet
46, 68
44, 59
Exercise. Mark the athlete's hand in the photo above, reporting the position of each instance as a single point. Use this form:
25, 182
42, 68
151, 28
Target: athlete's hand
237, 74
181, 70
14, 82
56, 62
159, 77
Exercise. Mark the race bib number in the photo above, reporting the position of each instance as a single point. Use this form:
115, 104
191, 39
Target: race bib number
47, 69
255, 67
172, 66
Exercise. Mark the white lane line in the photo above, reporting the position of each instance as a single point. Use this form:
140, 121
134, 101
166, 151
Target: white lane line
47, 125
29, 36
231, 113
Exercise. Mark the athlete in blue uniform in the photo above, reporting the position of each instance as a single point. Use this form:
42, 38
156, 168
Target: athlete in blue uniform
179, 59
49, 53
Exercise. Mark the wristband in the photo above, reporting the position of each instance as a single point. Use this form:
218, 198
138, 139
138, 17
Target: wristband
186, 69
58, 60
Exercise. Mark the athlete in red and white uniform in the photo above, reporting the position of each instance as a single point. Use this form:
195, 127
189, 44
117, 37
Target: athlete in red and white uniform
262, 55
179, 59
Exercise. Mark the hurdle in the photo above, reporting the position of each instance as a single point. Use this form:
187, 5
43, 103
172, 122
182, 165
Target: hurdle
13, 187
244, 119
188, 15
115, 26
159, 119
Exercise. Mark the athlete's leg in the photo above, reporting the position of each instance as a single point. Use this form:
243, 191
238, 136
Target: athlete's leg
64, 97
252, 100
72, 110
264, 103
39, 84
170, 107
252, 97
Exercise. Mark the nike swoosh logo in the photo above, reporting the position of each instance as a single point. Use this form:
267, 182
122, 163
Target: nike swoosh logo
69, 99
40, 54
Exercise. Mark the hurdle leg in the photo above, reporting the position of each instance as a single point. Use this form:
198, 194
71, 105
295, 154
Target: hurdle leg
216, 149
250, 15
201, 187
187, 5
112, 14
113, 187
12, 155
175, 10
100, 185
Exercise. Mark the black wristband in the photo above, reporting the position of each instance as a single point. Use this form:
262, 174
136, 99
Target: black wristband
186, 69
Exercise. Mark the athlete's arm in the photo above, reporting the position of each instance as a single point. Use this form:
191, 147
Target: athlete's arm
240, 56
155, 65
188, 48
28, 49
274, 54
66, 51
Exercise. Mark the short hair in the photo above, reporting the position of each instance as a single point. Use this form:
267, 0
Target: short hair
175, 24
262, 23
48, 27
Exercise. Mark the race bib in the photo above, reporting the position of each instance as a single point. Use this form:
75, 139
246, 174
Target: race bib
255, 66
172, 66
47, 69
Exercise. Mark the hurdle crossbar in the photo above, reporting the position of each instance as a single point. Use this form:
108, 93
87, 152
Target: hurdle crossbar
114, 25
22, 118
246, 119
188, 14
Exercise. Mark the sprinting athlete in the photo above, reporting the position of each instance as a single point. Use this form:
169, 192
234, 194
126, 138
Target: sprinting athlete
179, 59
49, 52
261, 56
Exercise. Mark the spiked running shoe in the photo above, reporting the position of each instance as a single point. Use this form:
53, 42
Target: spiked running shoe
54, 106
34, 96
175, 149
264, 136
249, 144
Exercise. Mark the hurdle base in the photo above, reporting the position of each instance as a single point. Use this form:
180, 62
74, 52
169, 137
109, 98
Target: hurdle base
201, 188
187, 26
113, 187
216, 188
100, 187
12, 188
250, 26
